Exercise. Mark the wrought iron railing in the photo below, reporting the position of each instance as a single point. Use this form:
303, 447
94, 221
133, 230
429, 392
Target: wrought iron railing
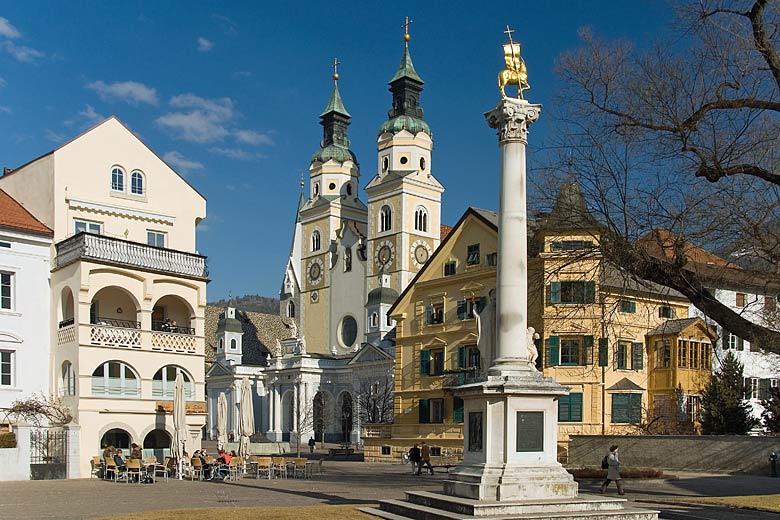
123, 252
113, 322
65, 323
166, 326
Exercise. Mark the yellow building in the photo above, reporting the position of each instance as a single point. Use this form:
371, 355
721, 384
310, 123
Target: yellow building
593, 323
436, 340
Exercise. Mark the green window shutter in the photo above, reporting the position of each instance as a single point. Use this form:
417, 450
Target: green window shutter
575, 405
603, 352
564, 408
637, 356
590, 292
425, 411
461, 356
429, 314
555, 292
740, 344
425, 362
635, 408
457, 410
587, 345
746, 392
553, 351
620, 408
632, 307
763, 389
462, 309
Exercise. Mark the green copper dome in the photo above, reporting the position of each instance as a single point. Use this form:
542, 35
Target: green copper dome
336, 152
411, 124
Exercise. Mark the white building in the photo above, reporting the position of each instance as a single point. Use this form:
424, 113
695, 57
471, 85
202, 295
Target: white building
124, 266
25, 339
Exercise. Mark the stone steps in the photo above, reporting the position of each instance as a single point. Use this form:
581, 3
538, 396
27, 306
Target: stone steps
486, 508
422, 505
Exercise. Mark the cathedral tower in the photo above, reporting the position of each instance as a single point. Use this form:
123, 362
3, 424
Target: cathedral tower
332, 239
404, 198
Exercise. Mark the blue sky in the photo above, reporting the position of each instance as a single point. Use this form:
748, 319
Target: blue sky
229, 94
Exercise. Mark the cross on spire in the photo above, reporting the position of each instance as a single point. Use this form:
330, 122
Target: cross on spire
336, 64
509, 32
405, 26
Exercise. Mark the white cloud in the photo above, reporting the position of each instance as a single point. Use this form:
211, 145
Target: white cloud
205, 45
194, 126
54, 137
2, 83
252, 137
220, 108
91, 116
236, 154
128, 91
7, 30
21, 53
5, 109
181, 163
201, 120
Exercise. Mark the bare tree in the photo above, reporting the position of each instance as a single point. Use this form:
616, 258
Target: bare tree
39, 408
375, 399
684, 140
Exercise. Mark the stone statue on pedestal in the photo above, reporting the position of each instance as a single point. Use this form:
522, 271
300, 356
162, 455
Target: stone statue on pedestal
533, 352
486, 331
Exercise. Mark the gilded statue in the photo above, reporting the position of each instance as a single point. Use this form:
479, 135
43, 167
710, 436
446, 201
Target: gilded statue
515, 72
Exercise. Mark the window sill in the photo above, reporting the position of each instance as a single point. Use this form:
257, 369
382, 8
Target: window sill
4, 388
9, 312
128, 196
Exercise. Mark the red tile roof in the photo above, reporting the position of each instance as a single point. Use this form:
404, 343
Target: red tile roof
444, 230
13, 215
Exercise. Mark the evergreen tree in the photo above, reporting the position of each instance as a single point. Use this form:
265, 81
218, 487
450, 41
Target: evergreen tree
724, 408
770, 417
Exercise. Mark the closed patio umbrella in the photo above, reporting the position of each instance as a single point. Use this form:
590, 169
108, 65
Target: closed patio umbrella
247, 422
179, 421
221, 421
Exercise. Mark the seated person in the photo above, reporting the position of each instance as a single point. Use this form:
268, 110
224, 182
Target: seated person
224, 460
121, 467
108, 452
135, 452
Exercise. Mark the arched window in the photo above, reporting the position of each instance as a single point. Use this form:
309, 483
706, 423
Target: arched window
347, 259
373, 321
68, 380
421, 219
164, 382
315, 241
389, 321
233, 344
114, 378
291, 309
117, 179
385, 218
137, 183
221, 344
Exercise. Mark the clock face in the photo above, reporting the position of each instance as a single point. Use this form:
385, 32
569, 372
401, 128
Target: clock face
420, 253
384, 253
314, 273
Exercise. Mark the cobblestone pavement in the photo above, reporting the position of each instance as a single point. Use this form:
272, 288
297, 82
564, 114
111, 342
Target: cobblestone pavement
341, 483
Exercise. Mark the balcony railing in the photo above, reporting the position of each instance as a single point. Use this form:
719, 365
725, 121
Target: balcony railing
66, 323
463, 376
166, 326
113, 322
88, 246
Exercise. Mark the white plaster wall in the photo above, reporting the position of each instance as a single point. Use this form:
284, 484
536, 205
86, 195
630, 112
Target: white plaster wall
15, 462
23, 329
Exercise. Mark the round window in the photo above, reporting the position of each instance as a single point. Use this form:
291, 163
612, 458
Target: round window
422, 163
404, 160
332, 186
348, 331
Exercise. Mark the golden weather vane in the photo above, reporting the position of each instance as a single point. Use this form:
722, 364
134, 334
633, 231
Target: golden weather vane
515, 72
407, 36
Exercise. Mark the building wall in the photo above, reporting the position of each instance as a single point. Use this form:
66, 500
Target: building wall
23, 331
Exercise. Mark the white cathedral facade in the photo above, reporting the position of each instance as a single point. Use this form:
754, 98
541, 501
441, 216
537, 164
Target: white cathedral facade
348, 263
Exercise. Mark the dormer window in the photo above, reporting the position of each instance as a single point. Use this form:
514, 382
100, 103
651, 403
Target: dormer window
117, 179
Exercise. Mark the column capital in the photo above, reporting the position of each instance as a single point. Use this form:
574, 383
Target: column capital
511, 118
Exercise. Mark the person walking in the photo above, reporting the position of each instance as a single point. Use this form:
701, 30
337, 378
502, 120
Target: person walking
414, 458
311, 444
613, 470
425, 458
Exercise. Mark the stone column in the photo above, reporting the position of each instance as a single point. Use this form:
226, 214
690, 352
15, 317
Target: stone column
511, 118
